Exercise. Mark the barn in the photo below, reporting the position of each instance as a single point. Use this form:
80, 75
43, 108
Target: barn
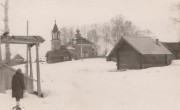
134, 52
174, 47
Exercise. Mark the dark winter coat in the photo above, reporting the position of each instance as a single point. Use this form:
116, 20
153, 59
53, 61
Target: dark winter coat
18, 85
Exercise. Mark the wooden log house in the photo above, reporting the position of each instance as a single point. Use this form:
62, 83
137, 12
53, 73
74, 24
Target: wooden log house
174, 47
139, 52
6, 72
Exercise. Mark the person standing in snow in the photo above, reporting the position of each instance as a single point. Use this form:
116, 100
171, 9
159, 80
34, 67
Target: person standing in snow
18, 87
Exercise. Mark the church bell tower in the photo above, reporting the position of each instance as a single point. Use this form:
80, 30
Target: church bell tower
56, 41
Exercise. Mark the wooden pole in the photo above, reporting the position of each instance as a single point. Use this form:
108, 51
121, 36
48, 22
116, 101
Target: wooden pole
27, 50
0, 52
31, 85
2, 80
38, 71
2, 75
30, 63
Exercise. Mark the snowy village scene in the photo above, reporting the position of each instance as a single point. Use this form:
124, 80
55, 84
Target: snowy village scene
89, 55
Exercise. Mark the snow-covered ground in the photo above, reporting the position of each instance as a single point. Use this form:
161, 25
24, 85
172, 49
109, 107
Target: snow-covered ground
94, 84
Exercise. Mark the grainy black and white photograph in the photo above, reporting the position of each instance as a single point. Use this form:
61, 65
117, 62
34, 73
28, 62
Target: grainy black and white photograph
89, 55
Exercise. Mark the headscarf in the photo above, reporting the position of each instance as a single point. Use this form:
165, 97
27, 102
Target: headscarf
19, 71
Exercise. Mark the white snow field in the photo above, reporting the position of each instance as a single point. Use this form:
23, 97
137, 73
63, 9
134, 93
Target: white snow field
94, 84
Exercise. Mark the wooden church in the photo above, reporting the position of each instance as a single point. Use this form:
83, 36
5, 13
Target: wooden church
84, 48
58, 52
77, 48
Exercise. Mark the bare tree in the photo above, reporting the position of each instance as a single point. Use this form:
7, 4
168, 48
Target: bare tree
109, 33
64, 35
176, 18
106, 32
121, 27
67, 33
6, 29
177, 10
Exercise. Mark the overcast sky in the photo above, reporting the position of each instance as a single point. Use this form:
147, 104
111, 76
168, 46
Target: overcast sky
146, 14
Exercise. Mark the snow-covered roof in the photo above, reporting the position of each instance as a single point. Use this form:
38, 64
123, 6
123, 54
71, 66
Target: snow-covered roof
81, 40
58, 53
22, 39
18, 56
172, 46
143, 45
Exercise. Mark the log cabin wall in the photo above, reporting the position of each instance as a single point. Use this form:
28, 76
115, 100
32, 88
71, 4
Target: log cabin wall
154, 60
128, 57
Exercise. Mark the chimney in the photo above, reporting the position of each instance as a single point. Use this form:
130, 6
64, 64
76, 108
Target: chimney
157, 41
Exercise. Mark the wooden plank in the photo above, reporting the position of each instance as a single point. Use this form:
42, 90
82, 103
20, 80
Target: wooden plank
22, 39
2, 81
38, 71
30, 83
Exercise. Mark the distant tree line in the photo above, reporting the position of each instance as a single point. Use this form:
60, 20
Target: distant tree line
106, 34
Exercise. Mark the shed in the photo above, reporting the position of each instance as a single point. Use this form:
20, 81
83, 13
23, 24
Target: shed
134, 52
174, 47
17, 59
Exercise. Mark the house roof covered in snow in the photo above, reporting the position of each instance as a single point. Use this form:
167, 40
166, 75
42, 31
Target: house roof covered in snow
143, 45
18, 56
62, 52
173, 46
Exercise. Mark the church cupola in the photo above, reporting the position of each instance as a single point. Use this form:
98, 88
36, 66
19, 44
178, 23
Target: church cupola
78, 33
56, 41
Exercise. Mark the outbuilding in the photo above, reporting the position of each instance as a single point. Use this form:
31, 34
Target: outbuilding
174, 47
16, 60
134, 52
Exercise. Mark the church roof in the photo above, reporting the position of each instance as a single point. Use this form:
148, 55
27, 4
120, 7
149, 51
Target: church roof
55, 29
62, 52
81, 40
